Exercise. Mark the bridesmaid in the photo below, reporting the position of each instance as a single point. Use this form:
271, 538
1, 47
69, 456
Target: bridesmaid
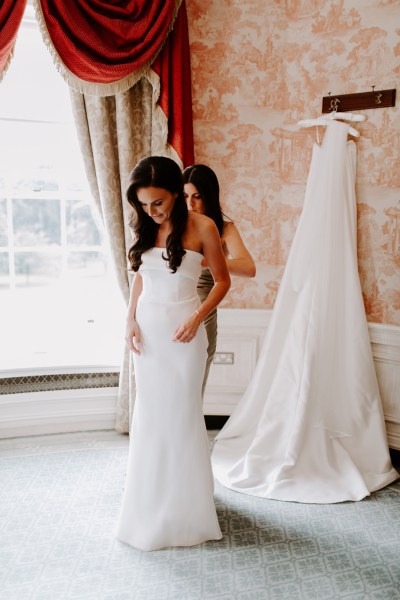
202, 196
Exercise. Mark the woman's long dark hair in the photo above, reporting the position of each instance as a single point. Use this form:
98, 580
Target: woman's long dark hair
206, 182
159, 172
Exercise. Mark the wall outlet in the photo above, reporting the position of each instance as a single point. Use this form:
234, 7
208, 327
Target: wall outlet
224, 358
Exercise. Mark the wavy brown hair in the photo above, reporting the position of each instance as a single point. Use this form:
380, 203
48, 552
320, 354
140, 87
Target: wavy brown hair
159, 172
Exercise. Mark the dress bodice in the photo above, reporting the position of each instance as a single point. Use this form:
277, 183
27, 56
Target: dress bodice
161, 285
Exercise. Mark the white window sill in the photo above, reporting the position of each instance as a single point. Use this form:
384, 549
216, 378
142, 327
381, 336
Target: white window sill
84, 348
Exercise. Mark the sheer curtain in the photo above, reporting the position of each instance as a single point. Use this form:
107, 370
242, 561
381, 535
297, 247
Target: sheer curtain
128, 68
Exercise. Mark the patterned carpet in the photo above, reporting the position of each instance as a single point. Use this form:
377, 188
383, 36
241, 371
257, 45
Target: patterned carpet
60, 497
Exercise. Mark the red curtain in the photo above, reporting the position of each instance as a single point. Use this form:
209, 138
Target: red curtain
102, 41
105, 42
11, 12
172, 65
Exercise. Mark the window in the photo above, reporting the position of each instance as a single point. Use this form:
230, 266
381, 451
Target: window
59, 302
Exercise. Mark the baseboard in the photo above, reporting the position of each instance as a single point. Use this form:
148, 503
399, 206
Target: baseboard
57, 411
215, 421
395, 457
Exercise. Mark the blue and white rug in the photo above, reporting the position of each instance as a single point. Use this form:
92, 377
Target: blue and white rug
59, 502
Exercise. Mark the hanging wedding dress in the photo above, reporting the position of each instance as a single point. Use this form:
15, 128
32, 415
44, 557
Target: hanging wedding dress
310, 426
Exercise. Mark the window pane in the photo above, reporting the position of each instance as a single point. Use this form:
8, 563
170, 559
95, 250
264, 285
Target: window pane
87, 264
3, 222
41, 178
34, 160
36, 222
36, 268
59, 288
32, 88
81, 225
4, 272
31, 156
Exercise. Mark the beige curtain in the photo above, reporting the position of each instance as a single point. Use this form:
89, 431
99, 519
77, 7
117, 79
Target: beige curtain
114, 133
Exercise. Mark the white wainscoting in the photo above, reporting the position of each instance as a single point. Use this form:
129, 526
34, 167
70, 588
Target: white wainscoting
60, 411
241, 332
385, 342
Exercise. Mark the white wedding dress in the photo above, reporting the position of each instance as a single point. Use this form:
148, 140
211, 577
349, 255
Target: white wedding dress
168, 495
310, 425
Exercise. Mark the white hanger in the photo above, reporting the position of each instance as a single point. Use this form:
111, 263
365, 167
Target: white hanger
346, 116
343, 116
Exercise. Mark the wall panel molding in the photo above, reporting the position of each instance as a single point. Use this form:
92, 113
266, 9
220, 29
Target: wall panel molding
241, 332
59, 411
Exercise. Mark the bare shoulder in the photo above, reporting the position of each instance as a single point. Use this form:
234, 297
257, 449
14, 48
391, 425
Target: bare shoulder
199, 229
200, 223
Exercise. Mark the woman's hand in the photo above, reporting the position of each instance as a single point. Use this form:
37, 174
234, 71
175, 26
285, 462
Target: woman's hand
132, 336
186, 331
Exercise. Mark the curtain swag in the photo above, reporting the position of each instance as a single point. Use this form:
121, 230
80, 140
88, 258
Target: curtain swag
105, 48
11, 12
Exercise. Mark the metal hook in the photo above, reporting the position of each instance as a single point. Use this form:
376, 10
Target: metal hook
378, 96
334, 104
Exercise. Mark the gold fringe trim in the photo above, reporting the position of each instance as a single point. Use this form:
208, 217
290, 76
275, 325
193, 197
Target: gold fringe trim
87, 87
8, 62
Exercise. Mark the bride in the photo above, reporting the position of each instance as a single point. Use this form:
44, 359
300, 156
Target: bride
168, 495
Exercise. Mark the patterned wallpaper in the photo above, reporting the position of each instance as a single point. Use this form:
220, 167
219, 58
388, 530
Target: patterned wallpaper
258, 66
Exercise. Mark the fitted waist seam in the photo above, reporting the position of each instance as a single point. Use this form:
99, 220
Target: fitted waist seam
151, 300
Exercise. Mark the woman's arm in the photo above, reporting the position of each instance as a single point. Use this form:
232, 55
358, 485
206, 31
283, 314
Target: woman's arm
208, 235
240, 262
216, 261
132, 332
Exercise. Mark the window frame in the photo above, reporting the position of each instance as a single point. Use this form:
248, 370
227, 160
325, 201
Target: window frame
31, 365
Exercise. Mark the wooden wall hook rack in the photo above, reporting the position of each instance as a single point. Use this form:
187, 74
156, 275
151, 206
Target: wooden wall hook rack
362, 101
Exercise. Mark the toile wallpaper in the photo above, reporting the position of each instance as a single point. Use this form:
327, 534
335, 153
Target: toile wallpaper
258, 66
